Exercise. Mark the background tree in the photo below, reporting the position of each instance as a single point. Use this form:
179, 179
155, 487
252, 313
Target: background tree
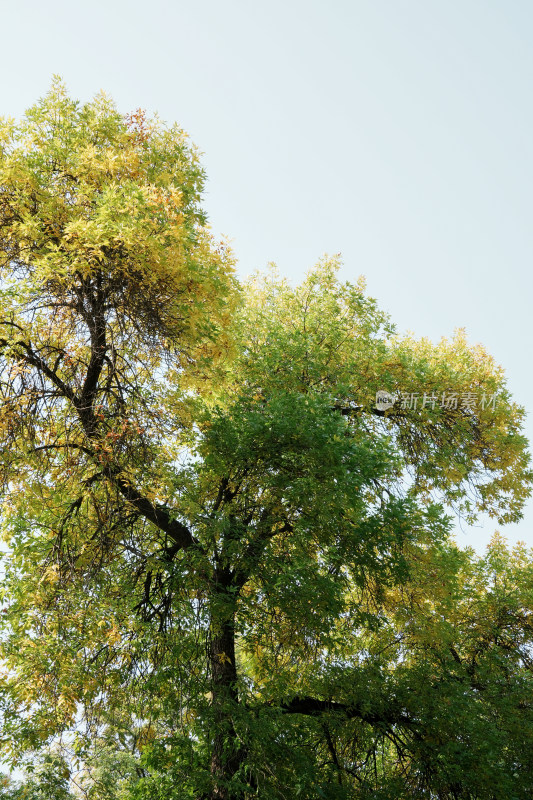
221, 552
46, 780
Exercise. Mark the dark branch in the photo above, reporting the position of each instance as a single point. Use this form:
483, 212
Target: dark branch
310, 706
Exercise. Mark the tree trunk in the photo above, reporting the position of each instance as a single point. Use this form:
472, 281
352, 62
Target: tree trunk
227, 753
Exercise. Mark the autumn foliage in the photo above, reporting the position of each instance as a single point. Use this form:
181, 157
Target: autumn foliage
227, 572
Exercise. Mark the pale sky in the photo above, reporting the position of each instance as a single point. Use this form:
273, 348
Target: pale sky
395, 132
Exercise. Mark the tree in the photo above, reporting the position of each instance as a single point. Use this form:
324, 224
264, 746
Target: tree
47, 780
222, 553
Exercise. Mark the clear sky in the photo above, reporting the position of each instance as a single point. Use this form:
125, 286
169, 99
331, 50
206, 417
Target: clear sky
395, 132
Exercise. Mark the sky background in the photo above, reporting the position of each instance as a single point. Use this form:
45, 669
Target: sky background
395, 132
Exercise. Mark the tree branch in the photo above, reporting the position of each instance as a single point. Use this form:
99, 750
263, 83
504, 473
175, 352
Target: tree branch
310, 706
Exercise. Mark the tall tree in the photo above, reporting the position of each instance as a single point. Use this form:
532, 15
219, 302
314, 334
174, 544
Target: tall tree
215, 532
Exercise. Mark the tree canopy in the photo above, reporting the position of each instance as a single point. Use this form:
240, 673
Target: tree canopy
229, 571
